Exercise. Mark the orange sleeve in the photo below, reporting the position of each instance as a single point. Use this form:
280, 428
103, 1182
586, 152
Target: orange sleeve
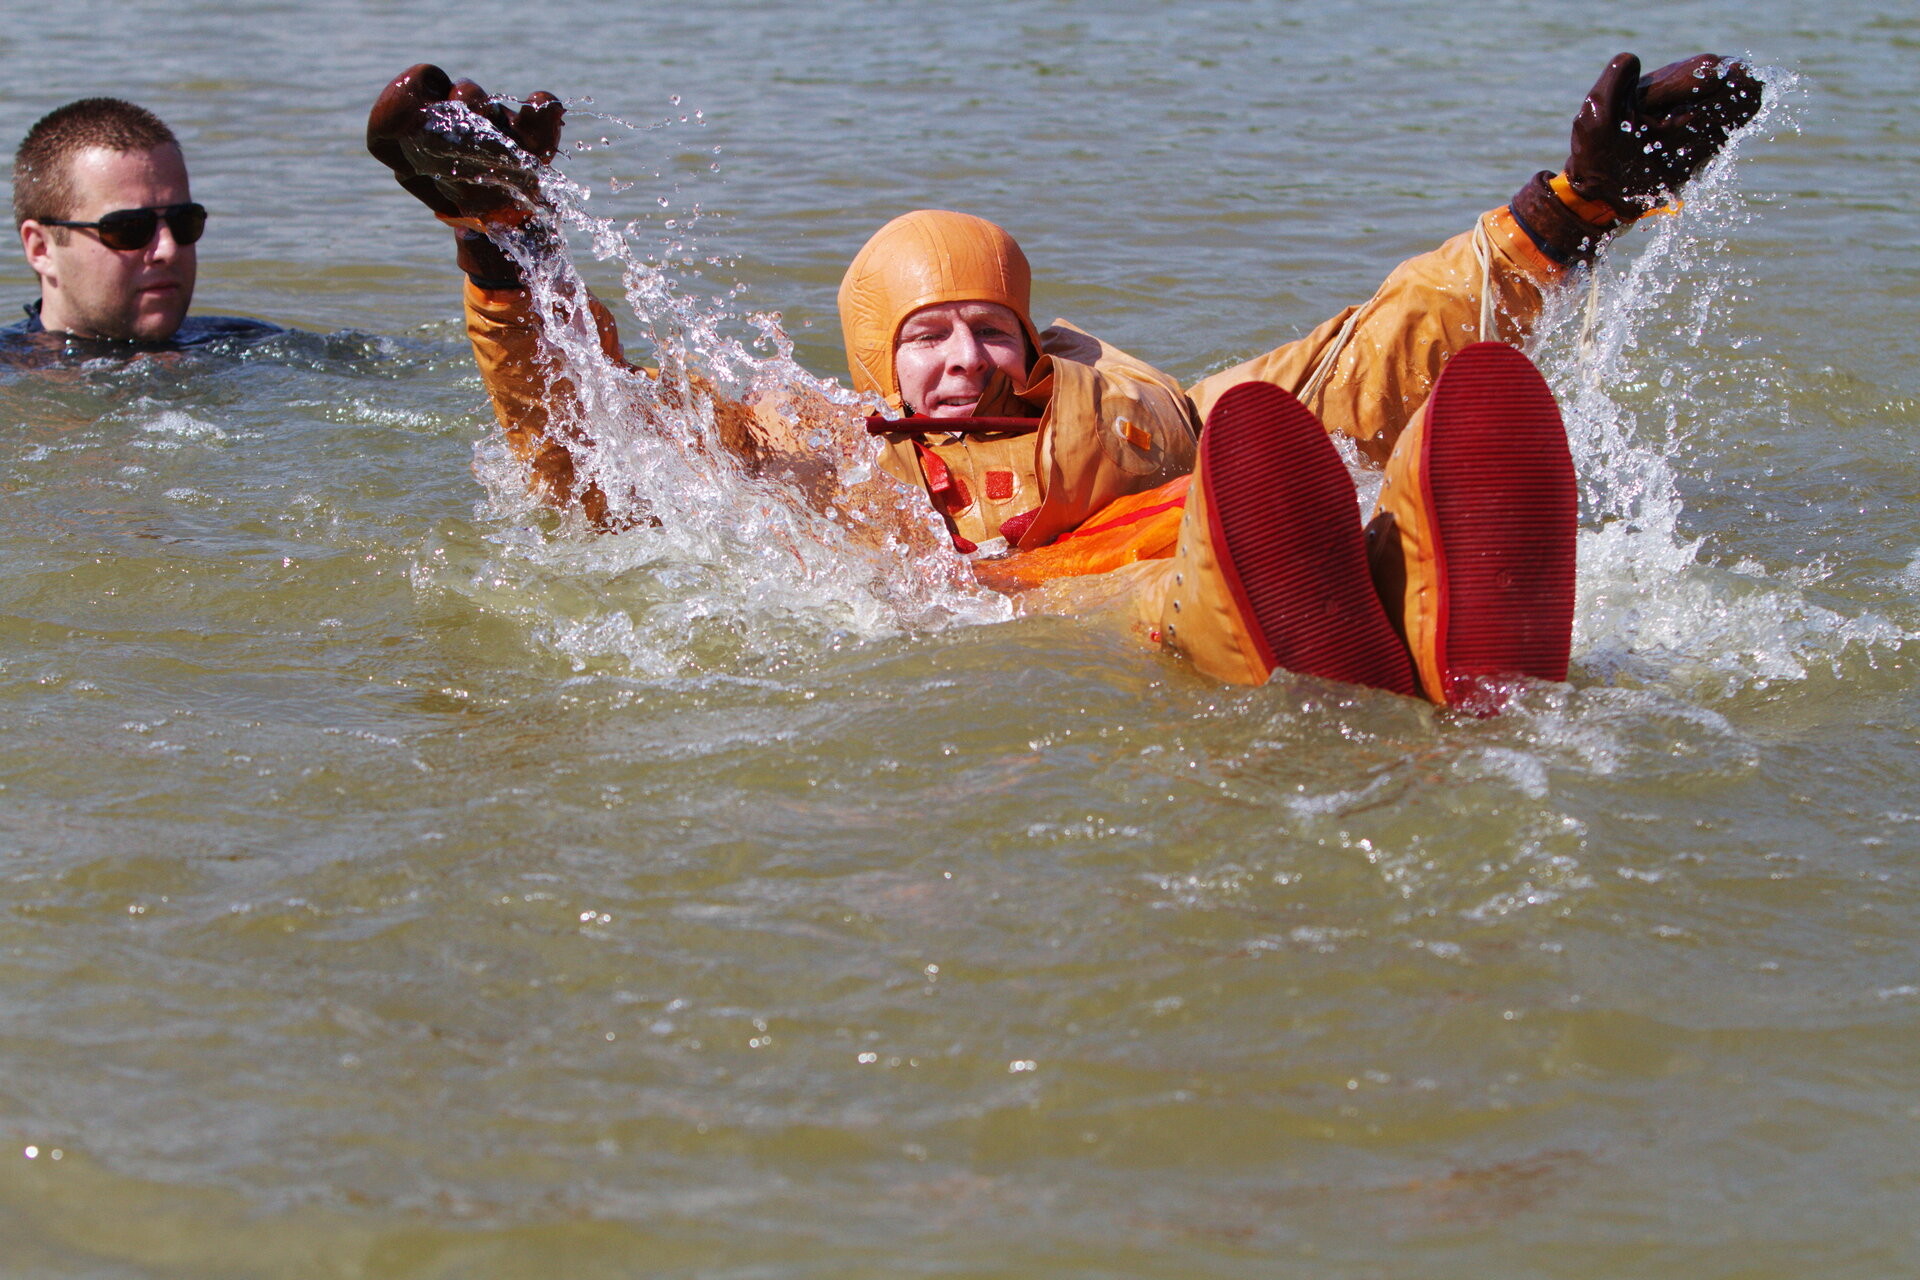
534, 403
1397, 342
541, 417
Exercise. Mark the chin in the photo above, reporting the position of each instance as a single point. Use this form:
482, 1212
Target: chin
156, 327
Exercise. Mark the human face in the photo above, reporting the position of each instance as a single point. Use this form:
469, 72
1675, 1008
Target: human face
96, 292
946, 354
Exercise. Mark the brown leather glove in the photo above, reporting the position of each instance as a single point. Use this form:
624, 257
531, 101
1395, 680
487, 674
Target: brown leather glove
1637, 139
483, 175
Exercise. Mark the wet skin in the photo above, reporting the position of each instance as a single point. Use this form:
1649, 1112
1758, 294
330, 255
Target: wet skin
946, 354
93, 291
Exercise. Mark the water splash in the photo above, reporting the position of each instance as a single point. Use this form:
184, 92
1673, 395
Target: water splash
1639, 367
718, 565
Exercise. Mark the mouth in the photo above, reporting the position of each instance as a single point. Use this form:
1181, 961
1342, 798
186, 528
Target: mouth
159, 294
952, 406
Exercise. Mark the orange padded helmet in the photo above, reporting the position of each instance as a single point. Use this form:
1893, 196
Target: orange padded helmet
918, 260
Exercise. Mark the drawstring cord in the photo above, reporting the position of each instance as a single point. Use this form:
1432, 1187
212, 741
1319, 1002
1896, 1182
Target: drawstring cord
1324, 370
1590, 322
1489, 318
1483, 254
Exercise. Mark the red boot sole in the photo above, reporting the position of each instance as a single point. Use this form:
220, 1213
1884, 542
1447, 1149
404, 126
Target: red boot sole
1286, 529
1500, 483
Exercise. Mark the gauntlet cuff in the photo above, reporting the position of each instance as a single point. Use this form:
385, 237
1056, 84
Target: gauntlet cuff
487, 264
1562, 234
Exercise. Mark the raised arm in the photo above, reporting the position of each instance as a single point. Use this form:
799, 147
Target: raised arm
476, 165
1635, 141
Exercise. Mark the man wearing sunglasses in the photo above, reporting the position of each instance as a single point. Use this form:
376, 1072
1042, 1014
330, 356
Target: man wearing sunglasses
107, 222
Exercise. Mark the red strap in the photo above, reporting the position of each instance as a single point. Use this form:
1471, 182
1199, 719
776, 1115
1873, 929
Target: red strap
920, 425
1132, 517
1013, 528
949, 491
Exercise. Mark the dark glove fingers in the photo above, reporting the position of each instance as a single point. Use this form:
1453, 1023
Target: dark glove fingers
477, 100
457, 171
1731, 100
1741, 93
1614, 95
1676, 82
538, 124
428, 81
1693, 133
535, 129
396, 112
469, 94
1717, 89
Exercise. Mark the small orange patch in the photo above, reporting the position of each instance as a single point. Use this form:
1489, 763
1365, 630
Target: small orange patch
999, 485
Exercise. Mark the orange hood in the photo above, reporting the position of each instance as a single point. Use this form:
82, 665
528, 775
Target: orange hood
920, 259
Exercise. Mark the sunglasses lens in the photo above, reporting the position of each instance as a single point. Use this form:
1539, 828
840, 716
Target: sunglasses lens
186, 221
128, 228
131, 229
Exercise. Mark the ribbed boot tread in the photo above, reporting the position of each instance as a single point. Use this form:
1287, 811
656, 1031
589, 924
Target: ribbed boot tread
1287, 533
1505, 507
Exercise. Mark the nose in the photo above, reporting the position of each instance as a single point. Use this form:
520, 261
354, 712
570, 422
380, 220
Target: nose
163, 247
964, 353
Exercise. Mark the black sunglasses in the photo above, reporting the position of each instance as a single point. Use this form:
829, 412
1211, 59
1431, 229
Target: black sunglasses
130, 229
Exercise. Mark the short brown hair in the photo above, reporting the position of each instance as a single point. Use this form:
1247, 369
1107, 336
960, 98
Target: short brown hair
42, 177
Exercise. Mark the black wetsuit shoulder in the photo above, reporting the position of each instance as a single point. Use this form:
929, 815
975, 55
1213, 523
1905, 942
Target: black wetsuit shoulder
28, 341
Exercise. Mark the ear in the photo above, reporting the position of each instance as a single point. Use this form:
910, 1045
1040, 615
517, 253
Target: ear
37, 242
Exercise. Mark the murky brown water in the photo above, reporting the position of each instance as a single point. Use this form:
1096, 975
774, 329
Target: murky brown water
394, 886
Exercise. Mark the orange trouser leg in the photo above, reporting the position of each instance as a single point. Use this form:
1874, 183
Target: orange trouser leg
1140, 526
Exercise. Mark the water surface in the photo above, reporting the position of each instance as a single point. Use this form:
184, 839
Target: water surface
396, 883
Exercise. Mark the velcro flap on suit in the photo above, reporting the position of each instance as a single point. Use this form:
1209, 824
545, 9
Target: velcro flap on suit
987, 478
1113, 426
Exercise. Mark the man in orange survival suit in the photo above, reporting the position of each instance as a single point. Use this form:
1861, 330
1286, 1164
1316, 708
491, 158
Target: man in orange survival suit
1077, 454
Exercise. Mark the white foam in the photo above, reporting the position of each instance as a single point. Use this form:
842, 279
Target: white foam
715, 564
1652, 606
721, 566
184, 426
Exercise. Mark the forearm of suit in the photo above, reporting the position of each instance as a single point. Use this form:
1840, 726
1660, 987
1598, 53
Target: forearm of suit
540, 415
1428, 308
533, 400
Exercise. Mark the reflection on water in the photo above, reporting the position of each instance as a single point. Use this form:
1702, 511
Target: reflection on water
397, 880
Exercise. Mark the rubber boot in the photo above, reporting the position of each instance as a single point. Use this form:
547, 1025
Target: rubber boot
1271, 567
1473, 543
